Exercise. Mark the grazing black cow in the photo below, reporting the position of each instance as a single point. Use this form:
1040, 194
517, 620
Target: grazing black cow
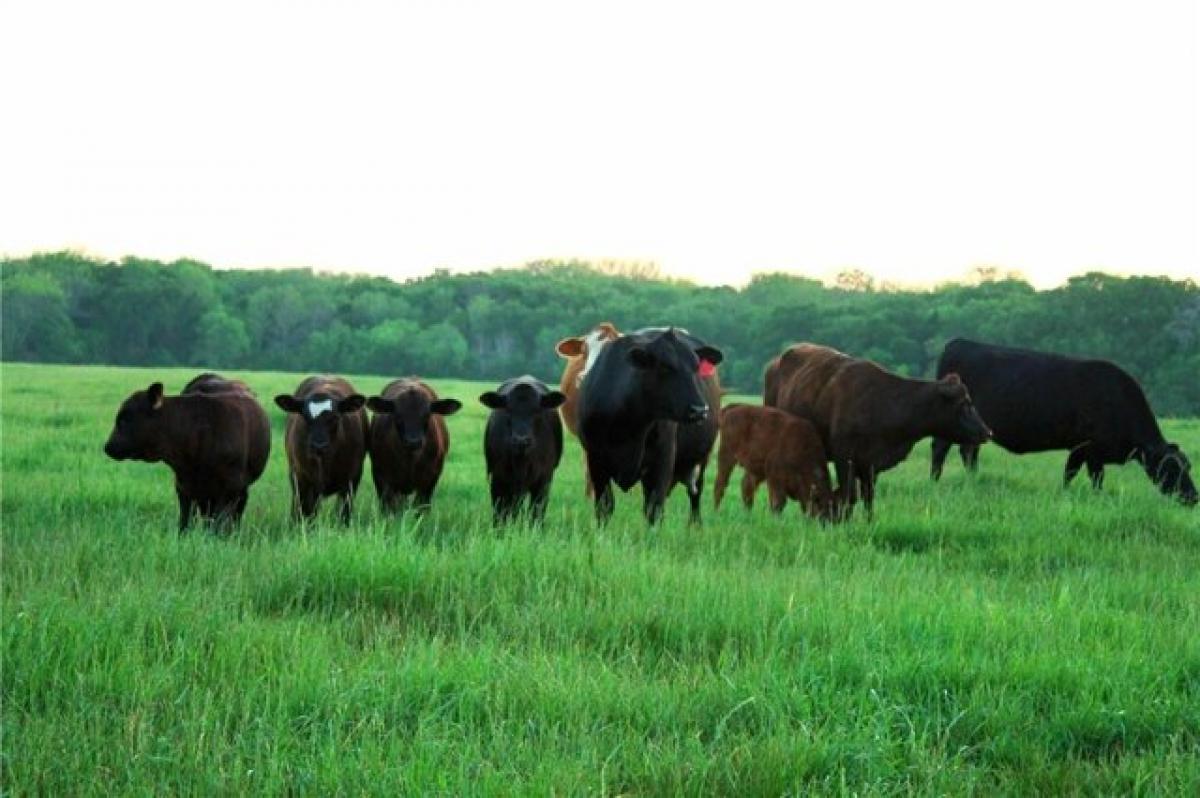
637, 393
1038, 401
215, 436
523, 444
326, 442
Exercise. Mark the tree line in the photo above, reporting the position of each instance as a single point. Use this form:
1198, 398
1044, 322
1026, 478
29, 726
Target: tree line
65, 307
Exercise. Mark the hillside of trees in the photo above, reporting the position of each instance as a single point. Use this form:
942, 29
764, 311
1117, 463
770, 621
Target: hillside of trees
69, 308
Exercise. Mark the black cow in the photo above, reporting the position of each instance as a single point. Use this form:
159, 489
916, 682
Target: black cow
1038, 401
641, 387
523, 444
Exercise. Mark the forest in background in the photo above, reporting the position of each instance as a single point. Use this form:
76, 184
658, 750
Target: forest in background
66, 307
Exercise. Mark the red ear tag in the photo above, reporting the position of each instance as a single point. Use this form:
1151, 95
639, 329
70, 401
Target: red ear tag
706, 369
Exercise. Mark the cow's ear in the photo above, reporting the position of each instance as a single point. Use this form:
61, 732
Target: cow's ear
570, 347
445, 407
155, 394
493, 400
641, 358
380, 405
711, 354
352, 403
552, 399
288, 403
950, 386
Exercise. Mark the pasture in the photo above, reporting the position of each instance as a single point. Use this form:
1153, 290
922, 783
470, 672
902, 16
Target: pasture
991, 634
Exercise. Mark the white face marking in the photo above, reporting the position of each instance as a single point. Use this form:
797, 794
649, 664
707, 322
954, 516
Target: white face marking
317, 408
594, 341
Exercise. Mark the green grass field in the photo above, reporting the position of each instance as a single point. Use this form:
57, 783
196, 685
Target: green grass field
990, 634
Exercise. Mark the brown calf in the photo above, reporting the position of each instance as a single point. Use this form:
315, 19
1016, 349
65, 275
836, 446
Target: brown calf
408, 442
326, 442
780, 449
869, 419
215, 437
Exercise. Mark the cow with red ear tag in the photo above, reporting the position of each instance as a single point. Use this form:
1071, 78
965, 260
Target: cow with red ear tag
215, 437
648, 413
326, 441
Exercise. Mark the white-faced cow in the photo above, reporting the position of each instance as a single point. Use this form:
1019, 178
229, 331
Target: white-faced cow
1038, 401
326, 443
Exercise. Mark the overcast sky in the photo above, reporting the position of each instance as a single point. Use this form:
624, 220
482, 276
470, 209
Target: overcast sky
913, 140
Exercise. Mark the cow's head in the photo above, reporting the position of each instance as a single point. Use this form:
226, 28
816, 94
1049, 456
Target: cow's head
322, 415
515, 405
1171, 471
581, 351
956, 418
409, 411
136, 432
670, 370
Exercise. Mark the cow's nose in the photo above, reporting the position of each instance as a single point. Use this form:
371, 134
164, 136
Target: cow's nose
413, 443
522, 442
319, 446
697, 413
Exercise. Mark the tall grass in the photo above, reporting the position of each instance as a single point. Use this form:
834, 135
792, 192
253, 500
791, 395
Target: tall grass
993, 634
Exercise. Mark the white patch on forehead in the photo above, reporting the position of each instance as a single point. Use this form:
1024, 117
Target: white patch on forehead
594, 341
317, 408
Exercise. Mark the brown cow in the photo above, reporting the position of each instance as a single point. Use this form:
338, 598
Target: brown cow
215, 436
776, 447
326, 442
409, 442
580, 352
868, 418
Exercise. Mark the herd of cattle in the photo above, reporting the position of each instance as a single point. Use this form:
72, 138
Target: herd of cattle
646, 407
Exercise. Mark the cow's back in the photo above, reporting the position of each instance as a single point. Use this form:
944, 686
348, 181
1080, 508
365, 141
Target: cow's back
804, 375
1040, 401
226, 432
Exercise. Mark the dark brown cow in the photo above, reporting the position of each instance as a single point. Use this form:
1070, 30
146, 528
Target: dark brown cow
326, 442
215, 436
408, 443
868, 418
783, 450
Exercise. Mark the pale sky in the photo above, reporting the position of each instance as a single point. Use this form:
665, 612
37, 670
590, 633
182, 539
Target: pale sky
913, 140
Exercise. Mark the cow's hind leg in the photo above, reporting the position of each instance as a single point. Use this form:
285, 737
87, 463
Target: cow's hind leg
845, 487
695, 490
539, 498
186, 506
749, 486
941, 448
724, 469
1095, 467
1075, 461
866, 482
346, 505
